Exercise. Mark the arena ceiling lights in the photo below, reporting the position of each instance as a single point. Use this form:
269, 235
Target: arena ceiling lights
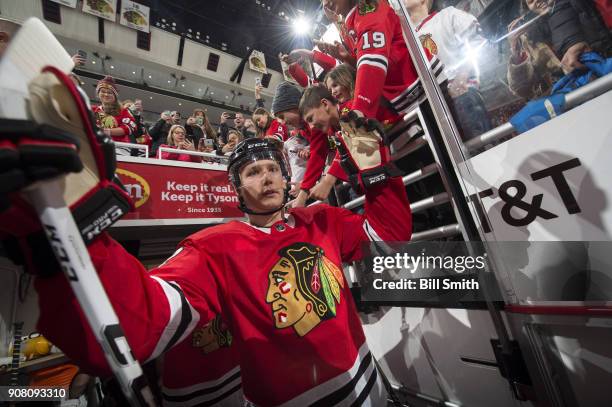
301, 26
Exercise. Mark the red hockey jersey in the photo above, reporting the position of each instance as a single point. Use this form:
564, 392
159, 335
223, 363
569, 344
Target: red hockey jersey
281, 290
384, 66
124, 120
277, 130
319, 149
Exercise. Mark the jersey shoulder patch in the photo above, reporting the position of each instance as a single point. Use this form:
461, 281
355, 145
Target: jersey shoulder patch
367, 6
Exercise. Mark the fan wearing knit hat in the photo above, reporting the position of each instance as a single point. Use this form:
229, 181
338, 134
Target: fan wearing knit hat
285, 109
115, 121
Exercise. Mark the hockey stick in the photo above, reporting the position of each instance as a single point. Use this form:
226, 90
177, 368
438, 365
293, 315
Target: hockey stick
73, 257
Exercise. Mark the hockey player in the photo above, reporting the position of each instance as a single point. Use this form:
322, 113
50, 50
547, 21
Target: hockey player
276, 279
31, 153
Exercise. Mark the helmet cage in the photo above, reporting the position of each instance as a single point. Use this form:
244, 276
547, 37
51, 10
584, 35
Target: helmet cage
252, 150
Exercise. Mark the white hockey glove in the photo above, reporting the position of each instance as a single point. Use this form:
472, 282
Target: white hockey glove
60, 140
363, 155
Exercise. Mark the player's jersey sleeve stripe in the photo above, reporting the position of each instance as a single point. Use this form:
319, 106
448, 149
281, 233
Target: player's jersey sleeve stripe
182, 320
437, 67
206, 393
340, 395
370, 232
379, 61
380, 244
357, 386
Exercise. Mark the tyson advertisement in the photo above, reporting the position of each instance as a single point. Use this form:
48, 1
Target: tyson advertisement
171, 195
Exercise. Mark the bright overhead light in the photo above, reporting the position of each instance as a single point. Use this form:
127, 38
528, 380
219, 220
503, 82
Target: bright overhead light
150, 97
301, 26
169, 81
133, 72
93, 62
112, 66
180, 104
149, 76
212, 93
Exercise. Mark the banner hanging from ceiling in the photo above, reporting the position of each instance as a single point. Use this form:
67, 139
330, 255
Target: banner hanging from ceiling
67, 3
134, 15
101, 8
257, 61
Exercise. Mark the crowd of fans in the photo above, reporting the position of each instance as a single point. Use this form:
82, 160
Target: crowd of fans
538, 57
368, 80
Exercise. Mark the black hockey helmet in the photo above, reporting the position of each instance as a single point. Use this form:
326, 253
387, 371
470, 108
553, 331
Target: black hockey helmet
255, 149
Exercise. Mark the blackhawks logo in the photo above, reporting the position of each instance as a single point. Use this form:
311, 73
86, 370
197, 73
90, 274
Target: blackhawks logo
212, 336
367, 6
429, 44
304, 288
106, 121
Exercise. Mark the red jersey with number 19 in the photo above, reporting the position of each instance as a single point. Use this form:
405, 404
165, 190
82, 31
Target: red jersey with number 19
384, 66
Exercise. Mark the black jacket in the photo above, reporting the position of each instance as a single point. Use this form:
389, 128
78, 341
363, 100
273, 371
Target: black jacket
159, 133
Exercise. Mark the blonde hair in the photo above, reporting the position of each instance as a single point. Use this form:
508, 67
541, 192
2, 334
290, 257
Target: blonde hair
170, 139
127, 102
344, 75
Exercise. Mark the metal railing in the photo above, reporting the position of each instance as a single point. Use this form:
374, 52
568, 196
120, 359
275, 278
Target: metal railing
207, 157
587, 92
415, 176
437, 233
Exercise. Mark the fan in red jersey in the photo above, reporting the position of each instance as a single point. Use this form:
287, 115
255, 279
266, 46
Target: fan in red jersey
115, 121
387, 83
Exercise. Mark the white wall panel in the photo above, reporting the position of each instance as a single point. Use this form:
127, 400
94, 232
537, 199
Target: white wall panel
75, 24
81, 31
20, 10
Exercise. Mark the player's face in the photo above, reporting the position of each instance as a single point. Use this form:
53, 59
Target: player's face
263, 185
288, 305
